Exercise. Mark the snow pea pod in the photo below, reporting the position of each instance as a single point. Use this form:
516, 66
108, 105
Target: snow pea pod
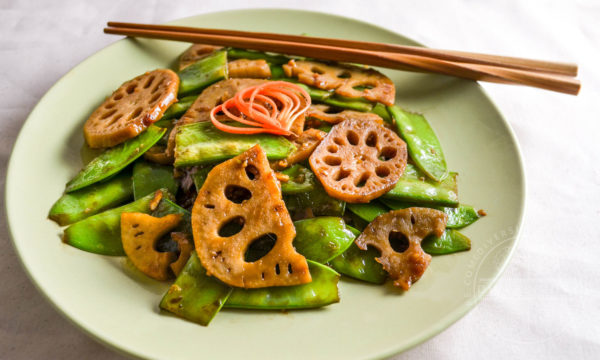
195, 296
458, 217
369, 211
381, 110
204, 72
201, 143
91, 200
115, 159
276, 72
358, 104
235, 53
423, 145
359, 264
301, 180
321, 291
322, 238
317, 200
149, 177
101, 233
200, 174
314, 93
179, 108
414, 187
450, 242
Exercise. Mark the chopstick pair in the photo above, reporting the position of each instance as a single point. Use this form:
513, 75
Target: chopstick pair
554, 76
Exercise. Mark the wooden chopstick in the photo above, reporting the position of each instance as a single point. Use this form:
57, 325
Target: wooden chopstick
560, 68
553, 82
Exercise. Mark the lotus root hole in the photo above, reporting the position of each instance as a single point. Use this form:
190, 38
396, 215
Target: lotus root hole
332, 149
290, 270
131, 88
231, 227
251, 171
115, 119
344, 75
209, 206
118, 96
352, 137
382, 171
108, 114
137, 112
371, 139
316, 70
387, 153
110, 105
237, 194
398, 241
277, 270
362, 180
412, 219
155, 97
157, 86
332, 160
260, 247
342, 174
149, 82
338, 141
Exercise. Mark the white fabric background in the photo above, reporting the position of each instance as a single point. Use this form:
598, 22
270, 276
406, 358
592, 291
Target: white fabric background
547, 304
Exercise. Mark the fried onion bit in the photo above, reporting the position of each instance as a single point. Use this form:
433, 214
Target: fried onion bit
398, 235
240, 203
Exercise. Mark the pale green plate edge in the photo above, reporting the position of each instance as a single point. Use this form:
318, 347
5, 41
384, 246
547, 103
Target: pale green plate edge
439, 327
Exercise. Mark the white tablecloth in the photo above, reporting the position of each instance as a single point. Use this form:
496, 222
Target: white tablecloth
547, 304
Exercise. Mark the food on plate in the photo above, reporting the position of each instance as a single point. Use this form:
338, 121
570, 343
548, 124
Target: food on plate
261, 181
239, 204
131, 108
398, 235
359, 160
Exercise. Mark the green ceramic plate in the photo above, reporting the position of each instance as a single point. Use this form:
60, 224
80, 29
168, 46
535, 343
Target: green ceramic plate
116, 305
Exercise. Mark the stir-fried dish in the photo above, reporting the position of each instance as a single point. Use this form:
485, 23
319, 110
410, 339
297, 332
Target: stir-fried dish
256, 180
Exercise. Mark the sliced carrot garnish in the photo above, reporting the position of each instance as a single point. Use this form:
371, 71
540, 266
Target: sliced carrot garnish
270, 108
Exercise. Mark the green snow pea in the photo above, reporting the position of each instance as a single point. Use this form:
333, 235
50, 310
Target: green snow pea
195, 296
204, 72
381, 110
414, 187
458, 217
179, 108
200, 174
276, 72
101, 233
356, 104
201, 143
322, 238
369, 211
314, 93
321, 291
423, 145
91, 200
359, 264
317, 200
450, 242
115, 159
166, 207
149, 177
301, 180
235, 53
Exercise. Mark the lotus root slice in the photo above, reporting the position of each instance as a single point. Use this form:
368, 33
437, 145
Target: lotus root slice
398, 235
240, 203
195, 53
139, 234
186, 246
359, 160
131, 108
305, 144
349, 81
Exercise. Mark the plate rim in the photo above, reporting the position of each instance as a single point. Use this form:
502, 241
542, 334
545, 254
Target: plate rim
433, 331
